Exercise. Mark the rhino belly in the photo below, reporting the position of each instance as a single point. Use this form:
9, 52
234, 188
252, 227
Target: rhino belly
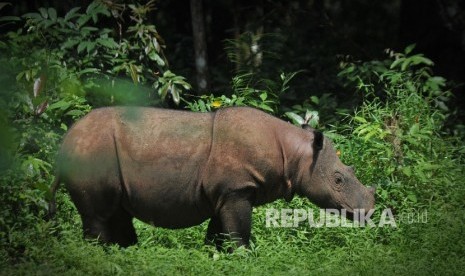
169, 203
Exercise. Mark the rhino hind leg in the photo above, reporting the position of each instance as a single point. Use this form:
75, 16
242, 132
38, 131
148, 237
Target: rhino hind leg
213, 233
122, 229
103, 217
118, 229
96, 229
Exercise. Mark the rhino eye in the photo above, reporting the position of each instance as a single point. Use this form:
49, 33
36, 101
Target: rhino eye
339, 179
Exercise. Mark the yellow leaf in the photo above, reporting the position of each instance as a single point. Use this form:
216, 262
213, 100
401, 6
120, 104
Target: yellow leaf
217, 104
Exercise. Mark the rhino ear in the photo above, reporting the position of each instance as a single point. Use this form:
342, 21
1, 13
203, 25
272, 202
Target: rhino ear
306, 127
317, 140
317, 137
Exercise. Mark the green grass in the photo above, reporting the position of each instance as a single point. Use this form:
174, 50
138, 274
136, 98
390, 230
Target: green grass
435, 247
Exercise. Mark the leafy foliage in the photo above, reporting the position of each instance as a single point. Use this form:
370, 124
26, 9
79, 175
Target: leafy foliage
247, 91
399, 127
250, 86
76, 50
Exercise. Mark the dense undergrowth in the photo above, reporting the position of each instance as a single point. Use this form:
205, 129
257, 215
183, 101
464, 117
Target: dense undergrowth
399, 139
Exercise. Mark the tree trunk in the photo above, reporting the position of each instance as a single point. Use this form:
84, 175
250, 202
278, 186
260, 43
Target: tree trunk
200, 45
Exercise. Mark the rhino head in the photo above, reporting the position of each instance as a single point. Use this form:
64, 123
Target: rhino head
331, 184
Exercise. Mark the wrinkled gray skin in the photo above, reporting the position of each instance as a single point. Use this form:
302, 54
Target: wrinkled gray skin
176, 169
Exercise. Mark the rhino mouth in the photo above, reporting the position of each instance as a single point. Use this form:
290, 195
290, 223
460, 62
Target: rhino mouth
349, 214
357, 214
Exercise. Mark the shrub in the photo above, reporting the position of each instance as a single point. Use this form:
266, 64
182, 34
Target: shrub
396, 136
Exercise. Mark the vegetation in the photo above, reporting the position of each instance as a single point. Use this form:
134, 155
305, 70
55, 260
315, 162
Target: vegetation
399, 136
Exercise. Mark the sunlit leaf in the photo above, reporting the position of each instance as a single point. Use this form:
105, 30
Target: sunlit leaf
74, 113
134, 73
38, 85
296, 119
175, 94
63, 105
360, 119
409, 49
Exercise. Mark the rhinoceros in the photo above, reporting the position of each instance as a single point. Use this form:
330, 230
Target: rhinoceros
176, 169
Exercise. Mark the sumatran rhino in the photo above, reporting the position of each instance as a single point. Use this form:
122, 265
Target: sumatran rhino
176, 169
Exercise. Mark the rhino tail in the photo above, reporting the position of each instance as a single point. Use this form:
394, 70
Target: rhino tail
52, 208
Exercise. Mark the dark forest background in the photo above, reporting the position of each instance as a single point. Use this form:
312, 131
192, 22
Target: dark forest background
310, 35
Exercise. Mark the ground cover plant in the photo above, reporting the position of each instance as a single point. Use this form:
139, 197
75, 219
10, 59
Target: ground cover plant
399, 137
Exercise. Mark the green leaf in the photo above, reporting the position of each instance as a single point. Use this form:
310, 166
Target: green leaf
33, 15
81, 47
266, 107
420, 59
108, 43
89, 70
89, 29
396, 62
70, 43
47, 23
263, 96
160, 61
60, 105
82, 20
371, 134
407, 171
92, 7
405, 64
202, 105
52, 13
175, 94
311, 118
315, 100
43, 13
9, 18
153, 56
414, 129
296, 119
409, 49
360, 119
90, 46
75, 112
134, 73
185, 85
164, 90
72, 13
412, 197
64, 127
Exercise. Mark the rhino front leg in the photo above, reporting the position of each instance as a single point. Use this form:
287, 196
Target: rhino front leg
236, 217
